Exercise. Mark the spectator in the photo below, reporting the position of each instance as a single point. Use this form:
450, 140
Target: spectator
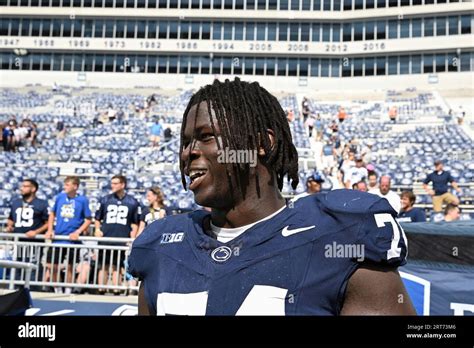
367, 152
460, 117
21, 133
341, 115
305, 108
60, 128
334, 127
408, 212
168, 134
353, 175
309, 122
392, 114
451, 212
361, 186
117, 216
328, 155
32, 132
318, 125
313, 184
354, 146
156, 209
290, 115
73, 217
8, 135
347, 163
440, 179
384, 191
111, 113
156, 132
373, 185
120, 117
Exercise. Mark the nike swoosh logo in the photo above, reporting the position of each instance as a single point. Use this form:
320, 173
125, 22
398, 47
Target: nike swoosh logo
286, 232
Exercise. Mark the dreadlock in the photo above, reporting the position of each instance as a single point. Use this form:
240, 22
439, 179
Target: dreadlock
244, 111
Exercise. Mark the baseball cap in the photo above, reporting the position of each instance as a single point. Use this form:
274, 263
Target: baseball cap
358, 157
316, 178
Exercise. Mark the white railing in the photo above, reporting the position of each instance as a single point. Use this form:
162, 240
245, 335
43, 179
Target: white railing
83, 265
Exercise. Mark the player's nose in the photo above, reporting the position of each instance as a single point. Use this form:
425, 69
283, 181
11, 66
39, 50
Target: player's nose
191, 152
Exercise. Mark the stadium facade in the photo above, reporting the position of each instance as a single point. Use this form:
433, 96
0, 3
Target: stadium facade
287, 44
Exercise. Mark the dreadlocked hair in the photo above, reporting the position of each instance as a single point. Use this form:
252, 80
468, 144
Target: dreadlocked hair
244, 111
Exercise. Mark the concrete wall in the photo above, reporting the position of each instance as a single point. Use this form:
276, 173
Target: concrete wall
442, 81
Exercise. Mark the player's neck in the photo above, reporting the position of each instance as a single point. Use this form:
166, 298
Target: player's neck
29, 198
250, 210
120, 194
408, 209
72, 194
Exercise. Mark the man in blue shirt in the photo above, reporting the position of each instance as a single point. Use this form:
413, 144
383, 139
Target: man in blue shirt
73, 216
408, 213
117, 215
440, 179
156, 131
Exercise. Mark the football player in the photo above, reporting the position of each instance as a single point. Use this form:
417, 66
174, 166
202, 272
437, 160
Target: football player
117, 216
255, 253
29, 214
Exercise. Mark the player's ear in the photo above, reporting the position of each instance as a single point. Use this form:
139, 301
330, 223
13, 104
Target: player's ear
271, 136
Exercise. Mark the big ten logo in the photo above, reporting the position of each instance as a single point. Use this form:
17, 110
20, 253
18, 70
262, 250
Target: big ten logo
167, 238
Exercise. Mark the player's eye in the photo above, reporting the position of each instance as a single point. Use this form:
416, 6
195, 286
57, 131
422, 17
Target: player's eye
207, 136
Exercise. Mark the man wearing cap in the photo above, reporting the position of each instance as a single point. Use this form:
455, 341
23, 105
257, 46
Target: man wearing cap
440, 179
313, 184
355, 174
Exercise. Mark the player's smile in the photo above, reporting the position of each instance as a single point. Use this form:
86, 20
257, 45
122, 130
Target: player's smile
197, 176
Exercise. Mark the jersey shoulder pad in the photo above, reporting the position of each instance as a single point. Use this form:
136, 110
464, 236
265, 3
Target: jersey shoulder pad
382, 238
353, 202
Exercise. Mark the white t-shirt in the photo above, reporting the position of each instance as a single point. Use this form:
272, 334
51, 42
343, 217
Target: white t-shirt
354, 175
225, 235
391, 197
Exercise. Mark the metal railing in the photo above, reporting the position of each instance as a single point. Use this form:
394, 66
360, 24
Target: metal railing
27, 266
82, 264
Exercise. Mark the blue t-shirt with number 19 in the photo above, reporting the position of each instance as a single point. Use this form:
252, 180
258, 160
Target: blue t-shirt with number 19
70, 213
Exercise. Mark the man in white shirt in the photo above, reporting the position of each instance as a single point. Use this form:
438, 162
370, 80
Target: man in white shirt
384, 191
355, 174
